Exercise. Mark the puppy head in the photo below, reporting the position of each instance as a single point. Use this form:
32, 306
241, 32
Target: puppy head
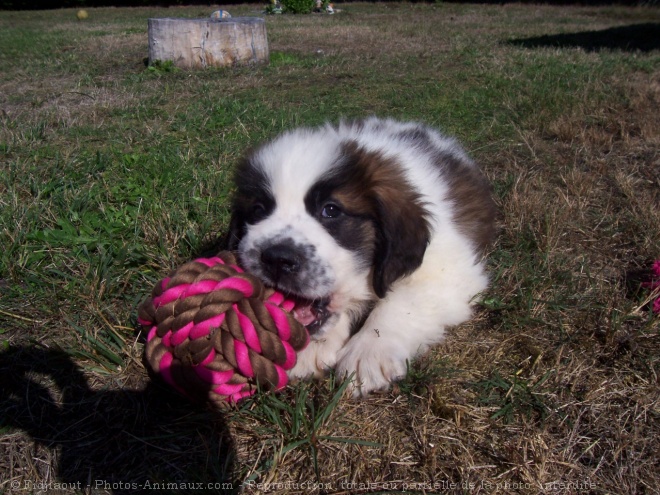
326, 221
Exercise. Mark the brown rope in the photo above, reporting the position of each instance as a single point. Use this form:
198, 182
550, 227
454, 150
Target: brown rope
199, 335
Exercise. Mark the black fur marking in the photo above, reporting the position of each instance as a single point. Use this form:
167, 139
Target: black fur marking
253, 200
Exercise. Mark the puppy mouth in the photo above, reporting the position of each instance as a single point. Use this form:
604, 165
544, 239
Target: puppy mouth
312, 314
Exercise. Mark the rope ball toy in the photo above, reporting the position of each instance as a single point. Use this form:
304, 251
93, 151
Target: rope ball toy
216, 333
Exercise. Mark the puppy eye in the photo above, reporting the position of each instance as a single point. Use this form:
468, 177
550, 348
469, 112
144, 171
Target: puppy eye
258, 211
330, 210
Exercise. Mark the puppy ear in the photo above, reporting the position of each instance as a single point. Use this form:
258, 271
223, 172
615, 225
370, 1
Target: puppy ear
402, 235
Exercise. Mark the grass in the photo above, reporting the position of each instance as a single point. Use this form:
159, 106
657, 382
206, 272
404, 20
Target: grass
113, 173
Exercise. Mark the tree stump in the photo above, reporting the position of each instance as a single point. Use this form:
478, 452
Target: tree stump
201, 43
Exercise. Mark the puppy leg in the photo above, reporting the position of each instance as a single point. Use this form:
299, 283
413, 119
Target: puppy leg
320, 355
411, 317
375, 358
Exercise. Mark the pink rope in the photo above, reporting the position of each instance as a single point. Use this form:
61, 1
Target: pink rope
231, 384
249, 332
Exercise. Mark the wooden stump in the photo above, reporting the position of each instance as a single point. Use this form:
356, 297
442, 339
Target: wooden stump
200, 43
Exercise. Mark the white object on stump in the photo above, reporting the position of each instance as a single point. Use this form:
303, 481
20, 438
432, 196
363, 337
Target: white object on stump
200, 43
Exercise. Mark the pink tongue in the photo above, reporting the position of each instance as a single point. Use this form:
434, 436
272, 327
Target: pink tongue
304, 314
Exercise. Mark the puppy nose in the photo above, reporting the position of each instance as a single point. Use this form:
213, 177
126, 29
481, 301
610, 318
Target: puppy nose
281, 259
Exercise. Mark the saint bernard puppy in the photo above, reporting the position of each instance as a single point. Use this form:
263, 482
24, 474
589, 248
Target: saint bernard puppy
377, 229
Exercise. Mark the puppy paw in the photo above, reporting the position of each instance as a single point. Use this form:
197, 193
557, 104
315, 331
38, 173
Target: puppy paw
316, 359
375, 363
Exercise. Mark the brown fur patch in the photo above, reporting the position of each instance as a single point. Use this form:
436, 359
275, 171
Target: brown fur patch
470, 193
375, 187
